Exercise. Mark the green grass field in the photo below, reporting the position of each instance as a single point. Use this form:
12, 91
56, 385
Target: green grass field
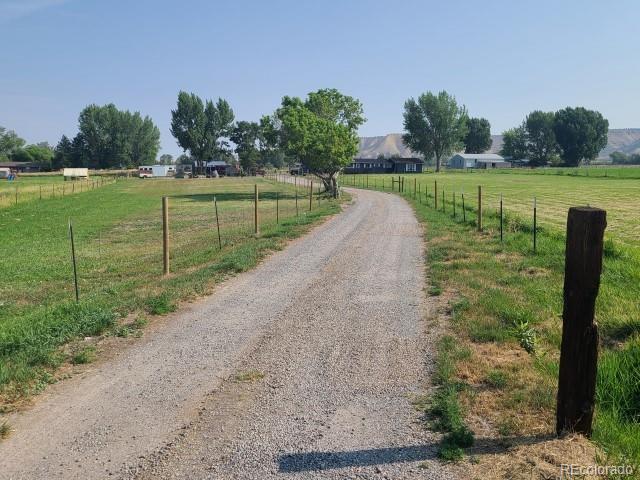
30, 188
554, 194
508, 299
118, 237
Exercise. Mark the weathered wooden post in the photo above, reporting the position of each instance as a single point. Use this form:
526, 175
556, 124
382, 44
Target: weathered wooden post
415, 183
579, 349
277, 208
256, 220
479, 208
165, 235
311, 196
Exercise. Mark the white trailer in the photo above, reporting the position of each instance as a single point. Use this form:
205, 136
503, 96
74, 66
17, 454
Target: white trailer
151, 171
73, 173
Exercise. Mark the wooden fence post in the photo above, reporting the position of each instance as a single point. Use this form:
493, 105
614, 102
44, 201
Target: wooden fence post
415, 182
579, 349
256, 220
311, 195
165, 235
479, 208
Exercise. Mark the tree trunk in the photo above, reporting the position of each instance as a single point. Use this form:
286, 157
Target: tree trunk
334, 186
437, 163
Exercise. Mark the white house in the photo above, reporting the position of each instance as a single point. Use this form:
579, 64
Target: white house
478, 160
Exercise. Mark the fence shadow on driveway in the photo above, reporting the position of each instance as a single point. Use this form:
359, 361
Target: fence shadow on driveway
314, 461
318, 461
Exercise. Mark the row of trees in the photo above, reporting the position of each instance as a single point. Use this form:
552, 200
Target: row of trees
620, 158
206, 130
14, 148
569, 136
320, 131
108, 138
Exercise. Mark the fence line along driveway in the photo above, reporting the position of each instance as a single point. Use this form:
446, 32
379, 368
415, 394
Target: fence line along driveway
301, 368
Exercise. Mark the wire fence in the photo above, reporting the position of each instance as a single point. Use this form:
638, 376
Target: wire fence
201, 227
14, 193
517, 201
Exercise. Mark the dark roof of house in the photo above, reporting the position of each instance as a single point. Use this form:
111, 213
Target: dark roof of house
16, 164
390, 159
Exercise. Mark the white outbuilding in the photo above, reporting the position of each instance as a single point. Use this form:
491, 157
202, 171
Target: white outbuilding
478, 160
73, 173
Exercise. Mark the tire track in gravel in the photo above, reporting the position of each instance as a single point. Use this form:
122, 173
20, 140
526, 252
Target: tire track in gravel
333, 330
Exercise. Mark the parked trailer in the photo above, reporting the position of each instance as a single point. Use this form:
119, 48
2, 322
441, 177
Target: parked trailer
151, 171
73, 173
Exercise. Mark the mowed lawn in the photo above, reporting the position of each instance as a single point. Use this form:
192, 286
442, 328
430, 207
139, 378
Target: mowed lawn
118, 239
554, 194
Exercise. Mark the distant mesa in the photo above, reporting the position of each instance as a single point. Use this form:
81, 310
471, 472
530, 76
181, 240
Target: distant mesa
625, 140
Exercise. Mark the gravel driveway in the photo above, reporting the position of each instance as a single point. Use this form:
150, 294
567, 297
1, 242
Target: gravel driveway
302, 368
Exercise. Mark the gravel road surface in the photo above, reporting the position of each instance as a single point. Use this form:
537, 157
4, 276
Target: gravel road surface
302, 368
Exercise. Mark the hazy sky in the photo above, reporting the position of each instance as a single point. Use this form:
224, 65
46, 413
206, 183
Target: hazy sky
501, 59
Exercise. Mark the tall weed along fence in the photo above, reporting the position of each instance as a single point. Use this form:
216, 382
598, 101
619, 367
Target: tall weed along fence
185, 232
16, 193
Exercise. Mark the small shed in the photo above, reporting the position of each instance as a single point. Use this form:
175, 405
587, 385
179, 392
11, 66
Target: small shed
73, 173
478, 160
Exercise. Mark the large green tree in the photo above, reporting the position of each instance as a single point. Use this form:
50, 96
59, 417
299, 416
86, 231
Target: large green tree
580, 133
109, 137
247, 138
321, 132
541, 139
435, 125
9, 142
201, 128
515, 143
478, 137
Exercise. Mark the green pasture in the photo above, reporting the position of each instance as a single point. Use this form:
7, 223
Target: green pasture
118, 238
